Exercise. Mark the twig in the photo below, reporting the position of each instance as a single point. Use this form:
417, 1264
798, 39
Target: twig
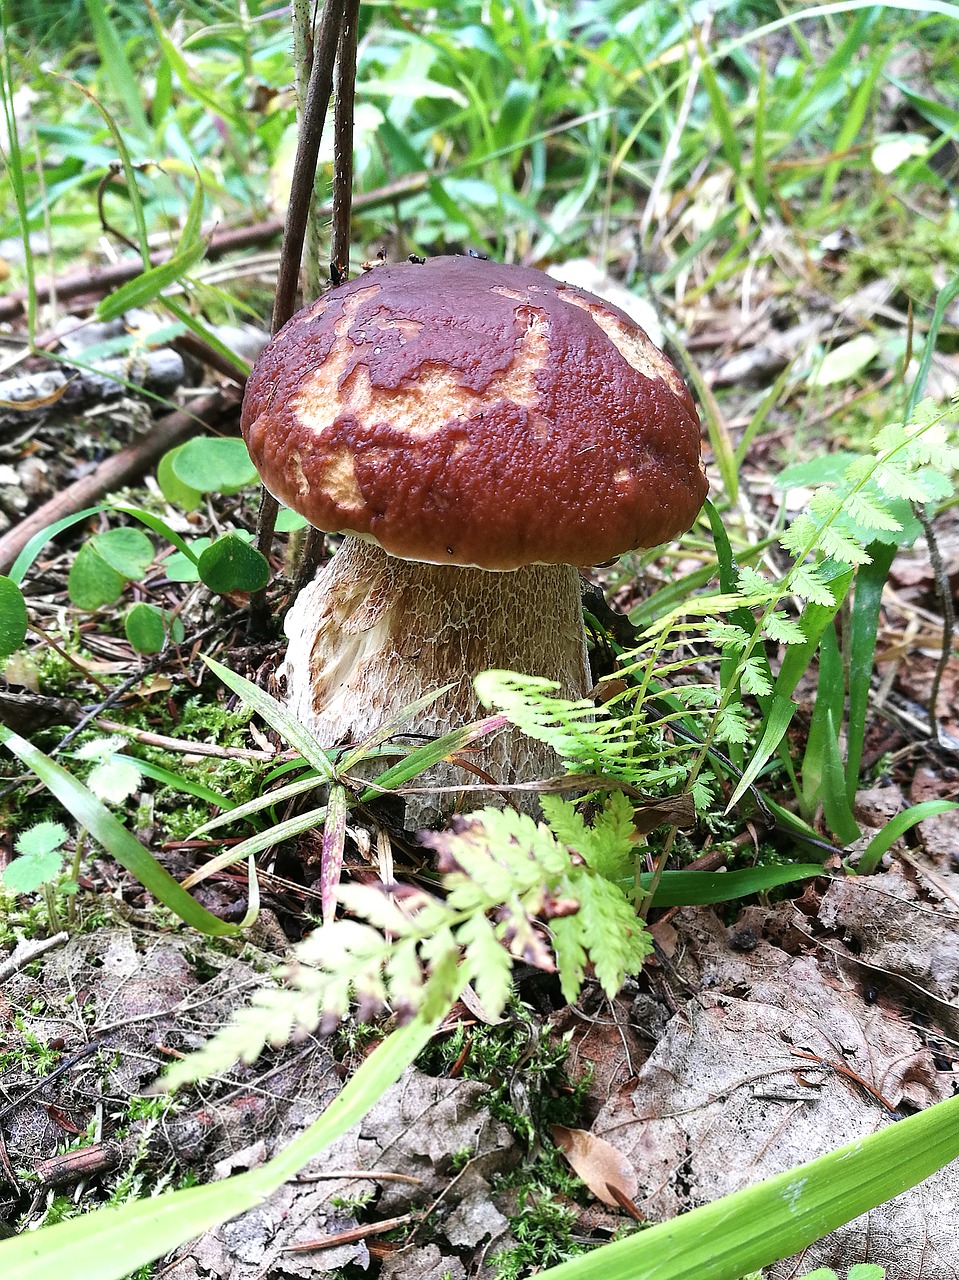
671, 149
101, 280
343, 141
26, 952
48, 1079
193, 748
362, 1175
845, 1072
344, 98
318, 94
190, 344
304, 14
354, 1233
119, 469
944, 593
147, 667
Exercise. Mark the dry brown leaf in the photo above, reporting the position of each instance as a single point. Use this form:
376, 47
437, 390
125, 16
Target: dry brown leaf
604, 1169
39, 402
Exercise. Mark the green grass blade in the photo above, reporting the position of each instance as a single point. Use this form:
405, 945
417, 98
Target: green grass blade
776, 1218
813, 620
899, 825
205, 334
699, 888
129, 172
177, 782
863, 629
781, 712
431, 753
760, 178
716, 429
39, 540
120, 843
158, 525
13, 163
150, 284
822, 774
259, 803
835, 806
853, 122
758, 420
277, 717
945, 296
390, 727
115, 64
194, 217
109, 1244
728, 134
256, 844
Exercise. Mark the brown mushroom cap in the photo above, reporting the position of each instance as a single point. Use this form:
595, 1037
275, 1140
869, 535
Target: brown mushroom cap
465, 412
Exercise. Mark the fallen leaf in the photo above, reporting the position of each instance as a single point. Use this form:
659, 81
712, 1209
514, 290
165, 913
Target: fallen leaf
604, 1169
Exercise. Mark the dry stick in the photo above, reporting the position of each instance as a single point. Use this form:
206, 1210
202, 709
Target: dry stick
121, 468
304, 14
26, 952
344, 98
102, 280
343, 141
189, 344
944, 592
318, 94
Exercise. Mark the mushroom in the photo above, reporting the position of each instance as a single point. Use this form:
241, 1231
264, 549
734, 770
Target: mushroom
475, 431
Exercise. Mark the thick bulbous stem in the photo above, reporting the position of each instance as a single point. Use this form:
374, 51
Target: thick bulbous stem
372, 634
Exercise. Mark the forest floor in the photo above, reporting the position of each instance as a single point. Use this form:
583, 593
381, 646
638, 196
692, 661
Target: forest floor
760, 1033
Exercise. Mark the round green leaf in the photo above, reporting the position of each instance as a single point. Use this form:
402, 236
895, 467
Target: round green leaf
91, 581
287, 521
13, 617
129, 551
845, 361
147, 627
231, 564
180, 568
213, 465
144, 628
31, 870
173, 488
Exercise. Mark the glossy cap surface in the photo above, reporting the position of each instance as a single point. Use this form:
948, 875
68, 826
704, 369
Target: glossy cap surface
467, 412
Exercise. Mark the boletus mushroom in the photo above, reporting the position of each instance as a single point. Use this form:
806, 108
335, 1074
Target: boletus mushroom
475, 431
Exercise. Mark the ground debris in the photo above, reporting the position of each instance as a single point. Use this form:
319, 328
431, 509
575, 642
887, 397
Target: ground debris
776, 1061
417, 1130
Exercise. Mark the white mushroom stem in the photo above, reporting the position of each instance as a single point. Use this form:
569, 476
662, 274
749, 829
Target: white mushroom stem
372, 633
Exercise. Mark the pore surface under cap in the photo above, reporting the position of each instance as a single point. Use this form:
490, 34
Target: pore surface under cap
466, 412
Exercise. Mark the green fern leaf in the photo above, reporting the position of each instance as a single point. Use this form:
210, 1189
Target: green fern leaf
783, 629
754, 679
614, 936
806, 581
867, 513
486, 962
841, 546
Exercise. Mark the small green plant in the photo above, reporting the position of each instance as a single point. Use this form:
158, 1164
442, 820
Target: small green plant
40, 864
41, 858
543, 1229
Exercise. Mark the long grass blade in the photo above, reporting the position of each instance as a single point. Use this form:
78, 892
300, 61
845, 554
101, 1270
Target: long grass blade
120, 843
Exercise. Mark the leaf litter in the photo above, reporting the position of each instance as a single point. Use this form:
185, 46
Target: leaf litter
775, 1056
